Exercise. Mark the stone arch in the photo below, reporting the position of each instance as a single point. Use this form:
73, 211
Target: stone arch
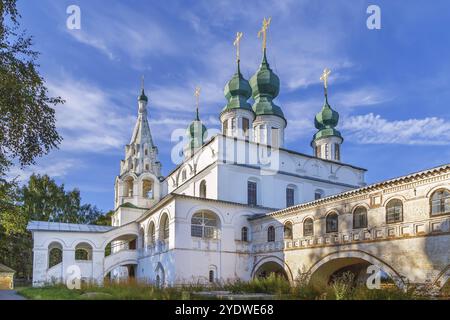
436, 188
160, 275
118, 236
396, 196
272, 262
54, 254
321, 271
58, 240
204, 207
83, 251
442, 278
88, 241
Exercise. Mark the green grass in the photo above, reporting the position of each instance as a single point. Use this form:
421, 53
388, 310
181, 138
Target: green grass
276, 286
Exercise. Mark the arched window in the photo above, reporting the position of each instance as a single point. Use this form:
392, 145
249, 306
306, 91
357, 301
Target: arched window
141, 238
147, 188
332, 223
318, 194
394, 211
271, 234
203, 189
252, 191
288, 230
205, 224
360, 218
128, 187
440, 202
244, 234
55, 250
151, 234
83, 251
308, 227
164, 227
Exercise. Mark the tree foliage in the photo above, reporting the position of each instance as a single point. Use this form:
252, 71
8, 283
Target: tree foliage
27, 117
40, 199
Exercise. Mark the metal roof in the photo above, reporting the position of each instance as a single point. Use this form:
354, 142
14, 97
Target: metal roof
4, 268
67, 227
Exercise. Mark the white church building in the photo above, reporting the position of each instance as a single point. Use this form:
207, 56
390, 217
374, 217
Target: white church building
241, 205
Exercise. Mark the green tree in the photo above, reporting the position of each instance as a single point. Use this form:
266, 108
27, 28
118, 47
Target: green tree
27, 117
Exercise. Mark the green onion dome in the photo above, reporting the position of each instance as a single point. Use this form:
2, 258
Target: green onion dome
237, 91
265, 86
196, 133
326, 121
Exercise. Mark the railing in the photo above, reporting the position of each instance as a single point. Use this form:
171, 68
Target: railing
385, 232
117, 258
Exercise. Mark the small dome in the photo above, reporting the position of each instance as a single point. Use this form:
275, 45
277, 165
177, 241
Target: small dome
326, 121
265, 86
142, 96
196, 133
237, 91
326, 118
265, 81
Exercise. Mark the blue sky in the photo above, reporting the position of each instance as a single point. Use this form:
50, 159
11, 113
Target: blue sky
390, 86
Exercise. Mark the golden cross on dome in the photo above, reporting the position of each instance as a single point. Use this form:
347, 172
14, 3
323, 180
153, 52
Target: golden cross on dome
263, 31
324, 77
236, 43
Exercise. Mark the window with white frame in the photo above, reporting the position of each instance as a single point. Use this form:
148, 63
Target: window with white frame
205, 224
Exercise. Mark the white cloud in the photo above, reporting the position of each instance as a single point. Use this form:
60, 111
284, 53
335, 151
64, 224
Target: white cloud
131, 33
373, 129
51, 167
89, 120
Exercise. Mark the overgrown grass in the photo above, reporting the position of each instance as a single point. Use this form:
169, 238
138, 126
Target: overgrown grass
342, 288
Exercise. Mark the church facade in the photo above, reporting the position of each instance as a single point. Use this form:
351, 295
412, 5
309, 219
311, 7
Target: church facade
241, 205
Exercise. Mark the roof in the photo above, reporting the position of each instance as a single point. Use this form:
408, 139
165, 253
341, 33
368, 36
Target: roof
252, 142
4, 268
66, 227
369, 188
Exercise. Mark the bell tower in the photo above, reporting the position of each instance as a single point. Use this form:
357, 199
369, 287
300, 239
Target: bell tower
139, 181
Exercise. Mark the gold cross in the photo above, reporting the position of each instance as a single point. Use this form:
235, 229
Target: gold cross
263, 31
325, 74
236, 43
